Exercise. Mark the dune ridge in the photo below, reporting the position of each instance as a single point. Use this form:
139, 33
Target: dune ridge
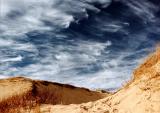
140, 95
22, 92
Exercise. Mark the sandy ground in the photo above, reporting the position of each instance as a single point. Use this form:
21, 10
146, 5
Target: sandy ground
139, 95
12, 87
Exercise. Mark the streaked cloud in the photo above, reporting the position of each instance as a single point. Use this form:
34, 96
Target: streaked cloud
37, 40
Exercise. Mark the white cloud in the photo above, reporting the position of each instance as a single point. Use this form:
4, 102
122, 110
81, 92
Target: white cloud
18, 58
12, 43
144, 9
22, 16
58, 65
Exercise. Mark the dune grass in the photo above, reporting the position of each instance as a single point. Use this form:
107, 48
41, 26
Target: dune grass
28, 102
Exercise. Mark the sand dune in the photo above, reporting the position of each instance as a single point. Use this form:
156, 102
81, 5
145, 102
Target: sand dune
21, 92
139, 95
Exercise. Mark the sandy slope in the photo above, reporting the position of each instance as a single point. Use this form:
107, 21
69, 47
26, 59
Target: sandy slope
140, 95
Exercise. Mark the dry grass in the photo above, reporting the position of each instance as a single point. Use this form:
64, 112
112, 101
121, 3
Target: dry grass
149, 62
15, 103
28, 102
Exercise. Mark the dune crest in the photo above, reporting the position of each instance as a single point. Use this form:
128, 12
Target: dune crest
140, 95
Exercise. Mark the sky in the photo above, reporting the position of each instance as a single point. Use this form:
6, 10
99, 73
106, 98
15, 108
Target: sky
86, 43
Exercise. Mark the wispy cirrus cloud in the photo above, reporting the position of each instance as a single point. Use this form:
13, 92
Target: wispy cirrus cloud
38, 41
22, 16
